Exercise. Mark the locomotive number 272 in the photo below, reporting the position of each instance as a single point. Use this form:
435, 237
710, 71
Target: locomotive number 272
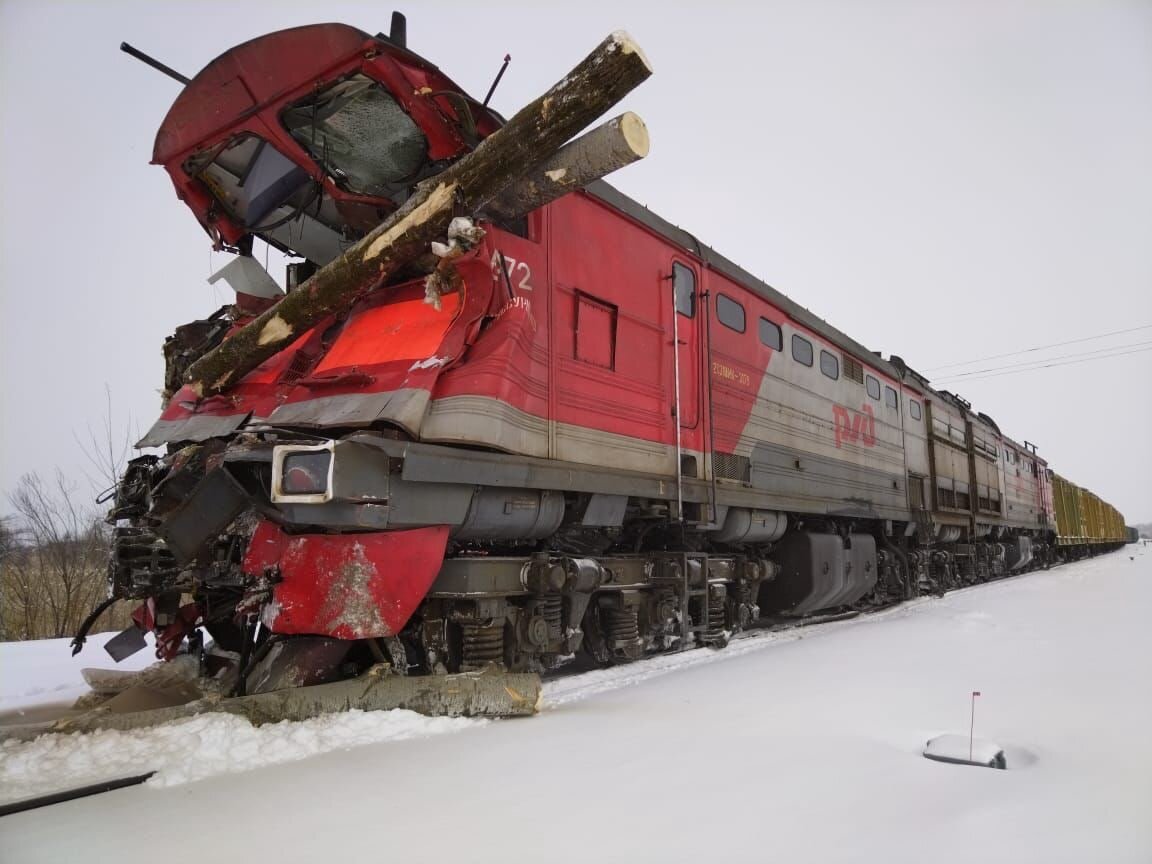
516, 270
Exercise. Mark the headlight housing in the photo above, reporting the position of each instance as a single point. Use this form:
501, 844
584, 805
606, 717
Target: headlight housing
302, 473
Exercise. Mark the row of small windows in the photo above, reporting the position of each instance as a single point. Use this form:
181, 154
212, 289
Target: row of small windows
731, 314
830, 366
1013, 458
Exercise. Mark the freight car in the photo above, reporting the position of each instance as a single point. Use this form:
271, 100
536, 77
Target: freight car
1084, 522
608, 440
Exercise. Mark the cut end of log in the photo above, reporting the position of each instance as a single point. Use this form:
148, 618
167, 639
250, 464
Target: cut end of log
628, 45
635, 133
607, 148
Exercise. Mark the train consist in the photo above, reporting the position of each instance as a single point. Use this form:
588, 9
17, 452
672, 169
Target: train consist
605, 439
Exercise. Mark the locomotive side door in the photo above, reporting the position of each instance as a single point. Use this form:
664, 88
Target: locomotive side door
686, 395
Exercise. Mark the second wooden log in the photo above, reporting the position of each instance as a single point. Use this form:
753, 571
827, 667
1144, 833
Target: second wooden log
595, 154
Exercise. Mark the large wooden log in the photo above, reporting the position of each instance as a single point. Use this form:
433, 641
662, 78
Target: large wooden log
595, 154
601, 80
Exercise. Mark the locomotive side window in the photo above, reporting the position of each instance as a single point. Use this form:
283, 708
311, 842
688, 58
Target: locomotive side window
873, 387
801, 350
890, 398
914, 409
770, 335
829, 365
730, 313
684, 286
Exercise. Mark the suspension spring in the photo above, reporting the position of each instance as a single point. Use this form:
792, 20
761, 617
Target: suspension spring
620, 625
482, 645
715, 629
552, 609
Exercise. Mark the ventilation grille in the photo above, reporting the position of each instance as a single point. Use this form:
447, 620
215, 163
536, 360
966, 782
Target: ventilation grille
915, 492
731, 467
300, 366
853, 369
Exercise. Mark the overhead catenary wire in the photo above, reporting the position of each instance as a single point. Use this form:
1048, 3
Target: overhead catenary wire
1024, 363
1064, 363
1038, 348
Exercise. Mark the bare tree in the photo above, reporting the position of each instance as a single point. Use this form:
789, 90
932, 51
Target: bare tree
54, 548
106, 448
12, 627
56, 575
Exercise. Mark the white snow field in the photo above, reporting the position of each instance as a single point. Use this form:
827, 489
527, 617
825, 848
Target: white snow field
802, 746
38, 674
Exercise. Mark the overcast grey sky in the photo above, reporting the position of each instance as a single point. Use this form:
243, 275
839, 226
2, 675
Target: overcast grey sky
942, 180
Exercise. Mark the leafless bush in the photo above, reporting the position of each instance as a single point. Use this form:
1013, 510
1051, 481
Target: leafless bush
53, 561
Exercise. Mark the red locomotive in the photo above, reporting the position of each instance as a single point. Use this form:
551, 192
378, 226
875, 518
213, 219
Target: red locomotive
610, 440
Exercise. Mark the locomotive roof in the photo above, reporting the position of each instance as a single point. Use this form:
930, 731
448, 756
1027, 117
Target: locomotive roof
615, 198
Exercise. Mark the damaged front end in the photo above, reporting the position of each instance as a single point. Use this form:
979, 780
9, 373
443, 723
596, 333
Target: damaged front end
223, 537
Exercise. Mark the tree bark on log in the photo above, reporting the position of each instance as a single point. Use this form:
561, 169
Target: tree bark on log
601, 80
607, 148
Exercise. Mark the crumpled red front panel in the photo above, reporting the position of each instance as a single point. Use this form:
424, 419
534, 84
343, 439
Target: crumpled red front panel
350, 586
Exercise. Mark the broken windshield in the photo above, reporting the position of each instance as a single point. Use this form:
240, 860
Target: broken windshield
360, 136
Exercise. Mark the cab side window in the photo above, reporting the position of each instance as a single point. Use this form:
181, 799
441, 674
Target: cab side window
684, 286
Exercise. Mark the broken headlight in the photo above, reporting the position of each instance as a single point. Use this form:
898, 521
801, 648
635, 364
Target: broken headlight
302, 473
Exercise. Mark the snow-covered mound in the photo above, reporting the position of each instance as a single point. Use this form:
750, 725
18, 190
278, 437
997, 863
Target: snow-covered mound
961, 748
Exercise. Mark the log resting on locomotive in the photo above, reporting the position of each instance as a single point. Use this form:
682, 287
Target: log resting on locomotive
589, 435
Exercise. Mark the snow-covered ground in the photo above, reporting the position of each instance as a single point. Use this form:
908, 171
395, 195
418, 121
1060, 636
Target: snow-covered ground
37, 674
796, 746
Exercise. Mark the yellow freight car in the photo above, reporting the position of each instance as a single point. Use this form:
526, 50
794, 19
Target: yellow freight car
1084, 523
